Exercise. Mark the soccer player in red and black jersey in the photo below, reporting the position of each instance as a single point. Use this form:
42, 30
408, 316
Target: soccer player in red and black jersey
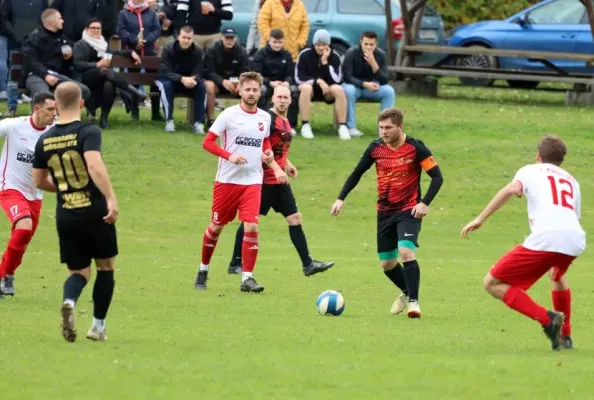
399, 160
276, 191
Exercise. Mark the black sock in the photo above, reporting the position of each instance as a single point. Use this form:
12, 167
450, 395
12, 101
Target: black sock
304, 122
236, 259
102, 293
74, 286
396, 275
412, 277
300, 243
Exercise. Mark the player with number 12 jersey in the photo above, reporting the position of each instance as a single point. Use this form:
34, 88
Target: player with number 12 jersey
555, 241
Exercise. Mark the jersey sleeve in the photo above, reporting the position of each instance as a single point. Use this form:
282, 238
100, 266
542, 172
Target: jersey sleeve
424, 156
219, 125
39, 160
5, 126
92, 139
522, 176
362, 166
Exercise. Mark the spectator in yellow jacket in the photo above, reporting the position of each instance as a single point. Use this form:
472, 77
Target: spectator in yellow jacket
290, 16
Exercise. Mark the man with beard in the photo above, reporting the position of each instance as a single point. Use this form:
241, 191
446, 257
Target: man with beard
244, 131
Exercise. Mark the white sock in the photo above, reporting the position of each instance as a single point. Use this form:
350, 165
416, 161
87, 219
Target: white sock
70, 302
99, 324
245, 276
203, 267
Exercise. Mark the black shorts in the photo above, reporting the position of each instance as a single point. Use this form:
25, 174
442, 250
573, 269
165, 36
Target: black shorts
318, 95
396, 227
278, 197
81, 241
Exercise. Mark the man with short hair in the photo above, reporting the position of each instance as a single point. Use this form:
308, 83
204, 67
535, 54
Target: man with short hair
244, 130
318, 74
276, 66
181, 72
224, 62
19, 198
556, 239
86, 208
365, 72
48, 56
276, 192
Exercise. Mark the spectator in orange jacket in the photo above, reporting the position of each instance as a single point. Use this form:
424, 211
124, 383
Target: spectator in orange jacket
290, 16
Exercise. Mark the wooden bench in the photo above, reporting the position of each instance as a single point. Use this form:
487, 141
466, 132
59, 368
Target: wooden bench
555, 74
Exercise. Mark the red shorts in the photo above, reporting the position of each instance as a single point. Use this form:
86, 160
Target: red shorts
17, 207
228, 198
521, 267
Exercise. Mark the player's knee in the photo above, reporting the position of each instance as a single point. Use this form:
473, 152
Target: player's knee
216, 228
250, 227
388, 265
24, 223
406, 250
85, 272
294, 219
489, 283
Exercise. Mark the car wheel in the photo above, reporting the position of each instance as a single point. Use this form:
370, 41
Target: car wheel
340, 48
523, 84
477, 61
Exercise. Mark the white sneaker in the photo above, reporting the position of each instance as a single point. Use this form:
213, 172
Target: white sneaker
414, 310
198, 128
399, 304
293, 132
343, 133
96, 335
3, 95
170, 126
306, 132
354, 132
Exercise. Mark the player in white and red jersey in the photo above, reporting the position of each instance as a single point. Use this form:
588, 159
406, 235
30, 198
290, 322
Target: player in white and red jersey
556, 239
243, 131
20, 200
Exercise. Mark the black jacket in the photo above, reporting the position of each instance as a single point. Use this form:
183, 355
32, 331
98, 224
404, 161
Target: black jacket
309, 68
356, 70
18, 18
176, 62
190, 13
221, 64
76, 14
43, 52
170, 10
273, 65
85, 57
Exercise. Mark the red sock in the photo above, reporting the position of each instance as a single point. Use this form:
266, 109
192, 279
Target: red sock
209, 242
249, 251
13, 255
519, 300
562, 303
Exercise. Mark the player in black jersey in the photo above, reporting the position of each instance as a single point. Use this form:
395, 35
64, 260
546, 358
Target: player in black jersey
68, 161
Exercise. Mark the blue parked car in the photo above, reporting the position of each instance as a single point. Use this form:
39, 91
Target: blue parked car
551, 25
346, 20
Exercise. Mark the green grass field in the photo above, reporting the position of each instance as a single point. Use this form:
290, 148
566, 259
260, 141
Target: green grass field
167, 341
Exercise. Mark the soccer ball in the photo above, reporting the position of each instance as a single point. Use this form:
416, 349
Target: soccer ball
330, 302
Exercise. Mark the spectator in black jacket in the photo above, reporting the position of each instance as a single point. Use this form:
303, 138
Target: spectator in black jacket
17, 19
206, 19
92, 57
224, 62
318, 74
167, 16
48, 56
365, 73
181, 72
275, 64
77, 13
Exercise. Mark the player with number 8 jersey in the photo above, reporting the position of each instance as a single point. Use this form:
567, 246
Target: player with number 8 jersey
20, 200
555, 241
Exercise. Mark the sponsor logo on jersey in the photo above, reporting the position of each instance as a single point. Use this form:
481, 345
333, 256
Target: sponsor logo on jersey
25, 157
248, 141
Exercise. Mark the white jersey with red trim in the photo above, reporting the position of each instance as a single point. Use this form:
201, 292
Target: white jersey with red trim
241, 133
554, 209
16, 162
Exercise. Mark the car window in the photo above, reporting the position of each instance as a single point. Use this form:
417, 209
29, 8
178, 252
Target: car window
316, 6
359, 7
243, 6
558, 12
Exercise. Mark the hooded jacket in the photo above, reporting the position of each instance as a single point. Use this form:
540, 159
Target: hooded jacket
273, 65
221, 64
309, 68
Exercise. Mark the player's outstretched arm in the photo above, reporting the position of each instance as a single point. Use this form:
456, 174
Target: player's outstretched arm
352, 181
100, 177
502, 197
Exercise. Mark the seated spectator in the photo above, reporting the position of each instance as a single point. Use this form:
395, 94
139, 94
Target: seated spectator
181, 72
76, 13
224, 62
139, 29
275, 64
365, 74
92, 58
48, 56
318, 75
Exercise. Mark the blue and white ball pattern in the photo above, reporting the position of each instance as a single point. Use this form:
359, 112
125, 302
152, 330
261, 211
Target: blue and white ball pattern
330, 302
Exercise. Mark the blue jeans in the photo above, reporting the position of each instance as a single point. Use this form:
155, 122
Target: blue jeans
3, 63
385, 95
168, 91
5, 83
